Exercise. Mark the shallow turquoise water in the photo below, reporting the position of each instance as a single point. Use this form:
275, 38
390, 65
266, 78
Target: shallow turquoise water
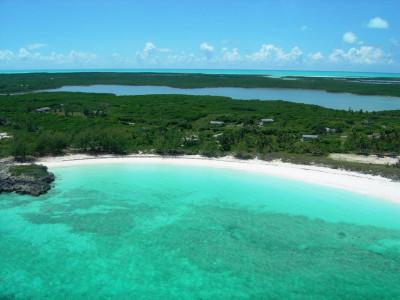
147, 231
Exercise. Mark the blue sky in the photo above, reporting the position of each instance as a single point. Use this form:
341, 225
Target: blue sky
356, 35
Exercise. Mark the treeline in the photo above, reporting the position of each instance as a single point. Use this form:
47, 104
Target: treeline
13, 83
56, 143
180, 124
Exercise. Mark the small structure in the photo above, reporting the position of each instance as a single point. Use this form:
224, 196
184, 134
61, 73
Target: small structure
217, 123
330, 130
194, 138
375, 135
42, 110
5, 135
309, 137
265, 121
128, 123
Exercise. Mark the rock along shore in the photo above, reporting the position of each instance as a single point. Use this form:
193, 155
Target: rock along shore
24, 179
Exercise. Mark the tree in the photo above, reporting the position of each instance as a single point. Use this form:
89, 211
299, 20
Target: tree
242, 151
19, 149
102, 141
209, 149
86, 112
51, 143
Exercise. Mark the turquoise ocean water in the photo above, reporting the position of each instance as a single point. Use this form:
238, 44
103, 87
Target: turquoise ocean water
148, 231
274, 73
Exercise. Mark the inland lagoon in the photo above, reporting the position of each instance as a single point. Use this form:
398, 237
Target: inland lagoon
165, 231
317, 97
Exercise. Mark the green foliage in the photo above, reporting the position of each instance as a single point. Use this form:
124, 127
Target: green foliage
32, 170
50, 143
20, 148
242, 151
209, 149
180, 124
392, 172
11, 83
102, 141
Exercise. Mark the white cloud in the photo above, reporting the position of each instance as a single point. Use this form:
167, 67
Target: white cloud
271, 53
164, 50
150, 51
23, 53
378, 23
151, 55
230, 55
25, 56
81, 57
147, 52
206, 47
317, 56
149, 46
35, 46
182, 58
349, 37
366, 55
6, 55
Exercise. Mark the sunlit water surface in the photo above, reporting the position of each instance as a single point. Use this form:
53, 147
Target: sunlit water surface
148, 231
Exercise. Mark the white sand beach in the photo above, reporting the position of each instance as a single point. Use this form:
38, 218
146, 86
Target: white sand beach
365, 159
373, 186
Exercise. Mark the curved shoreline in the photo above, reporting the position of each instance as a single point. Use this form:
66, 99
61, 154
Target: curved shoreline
369, 185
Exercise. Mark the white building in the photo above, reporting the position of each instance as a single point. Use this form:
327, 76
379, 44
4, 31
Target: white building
330, 130
270, 120
5, 135
217, 123
43, 110
309, 137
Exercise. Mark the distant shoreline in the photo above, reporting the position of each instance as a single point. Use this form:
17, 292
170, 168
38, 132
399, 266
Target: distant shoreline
354, 83
369, 185
224, 71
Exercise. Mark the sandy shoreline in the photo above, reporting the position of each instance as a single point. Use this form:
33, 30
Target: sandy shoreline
373, 186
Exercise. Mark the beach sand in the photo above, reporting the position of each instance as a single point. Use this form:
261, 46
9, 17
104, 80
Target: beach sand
365, 159
373, 186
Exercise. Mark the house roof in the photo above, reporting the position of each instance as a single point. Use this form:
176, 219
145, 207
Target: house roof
310, 136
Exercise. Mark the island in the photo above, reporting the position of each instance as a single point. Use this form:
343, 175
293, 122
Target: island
26, 82
59, 123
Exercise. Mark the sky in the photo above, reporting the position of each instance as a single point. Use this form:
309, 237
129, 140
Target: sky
356, 35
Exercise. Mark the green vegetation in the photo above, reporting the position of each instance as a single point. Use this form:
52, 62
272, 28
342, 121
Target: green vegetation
180, 124
13, 83
392, 172
35, 171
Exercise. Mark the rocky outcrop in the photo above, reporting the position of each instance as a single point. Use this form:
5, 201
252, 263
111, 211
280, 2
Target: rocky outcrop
24, 181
